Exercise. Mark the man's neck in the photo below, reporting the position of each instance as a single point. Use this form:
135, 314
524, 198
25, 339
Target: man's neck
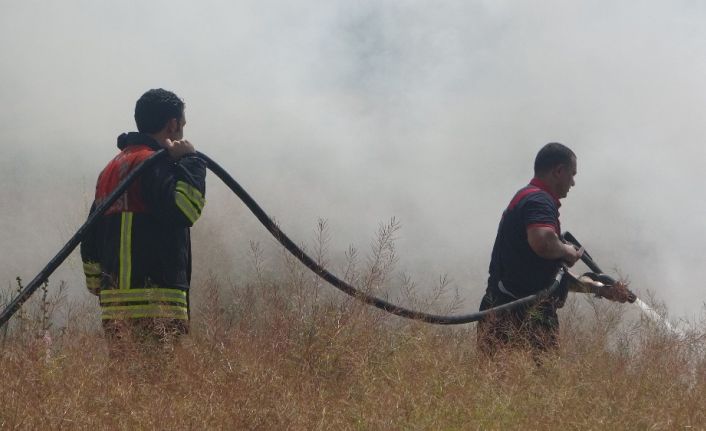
548, 185
160, 138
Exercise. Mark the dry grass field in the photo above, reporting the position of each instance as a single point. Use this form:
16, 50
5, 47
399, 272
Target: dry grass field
285, 352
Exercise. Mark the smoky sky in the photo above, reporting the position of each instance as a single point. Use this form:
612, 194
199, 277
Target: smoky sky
431, 112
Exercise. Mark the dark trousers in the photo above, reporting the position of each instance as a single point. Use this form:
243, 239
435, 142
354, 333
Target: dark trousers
534, 328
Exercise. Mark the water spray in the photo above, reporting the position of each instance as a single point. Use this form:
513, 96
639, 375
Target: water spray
632, 298
657, 318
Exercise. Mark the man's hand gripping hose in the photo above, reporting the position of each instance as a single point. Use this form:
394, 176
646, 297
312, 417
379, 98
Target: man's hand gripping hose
606, 286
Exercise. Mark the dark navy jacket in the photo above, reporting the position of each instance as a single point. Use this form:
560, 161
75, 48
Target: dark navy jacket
143, 240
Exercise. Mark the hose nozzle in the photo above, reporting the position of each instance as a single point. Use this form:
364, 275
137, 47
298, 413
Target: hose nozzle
597, 274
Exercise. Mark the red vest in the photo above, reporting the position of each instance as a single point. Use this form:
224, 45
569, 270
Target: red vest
115, 172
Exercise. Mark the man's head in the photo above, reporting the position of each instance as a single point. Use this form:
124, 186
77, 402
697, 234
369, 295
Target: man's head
160, 113
555, 164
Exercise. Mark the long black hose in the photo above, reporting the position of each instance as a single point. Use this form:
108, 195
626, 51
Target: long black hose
75, 240
266, 221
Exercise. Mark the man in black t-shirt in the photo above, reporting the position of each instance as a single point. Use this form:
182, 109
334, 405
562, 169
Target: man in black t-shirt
527, 254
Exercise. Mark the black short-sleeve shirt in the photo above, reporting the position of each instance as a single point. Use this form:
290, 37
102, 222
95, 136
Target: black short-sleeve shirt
513, 262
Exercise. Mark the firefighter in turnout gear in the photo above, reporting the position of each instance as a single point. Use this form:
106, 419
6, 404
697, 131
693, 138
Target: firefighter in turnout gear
137, 257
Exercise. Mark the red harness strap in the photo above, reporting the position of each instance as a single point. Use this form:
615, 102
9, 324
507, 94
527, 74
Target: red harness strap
521, 194
528, 191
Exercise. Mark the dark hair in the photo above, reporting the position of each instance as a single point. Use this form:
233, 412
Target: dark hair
155, 108
552, 155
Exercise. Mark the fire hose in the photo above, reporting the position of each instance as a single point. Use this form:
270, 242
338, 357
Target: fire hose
285, 241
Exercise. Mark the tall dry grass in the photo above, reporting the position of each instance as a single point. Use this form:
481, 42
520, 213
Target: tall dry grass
285, 351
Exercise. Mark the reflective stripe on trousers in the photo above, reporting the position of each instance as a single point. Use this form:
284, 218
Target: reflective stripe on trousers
139, 303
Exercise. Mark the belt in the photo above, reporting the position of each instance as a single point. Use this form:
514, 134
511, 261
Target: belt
502, 288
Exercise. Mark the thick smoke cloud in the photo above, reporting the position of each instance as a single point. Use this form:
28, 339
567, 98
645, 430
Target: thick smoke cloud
358, 111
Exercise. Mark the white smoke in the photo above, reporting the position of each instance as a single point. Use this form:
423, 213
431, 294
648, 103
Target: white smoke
358, 111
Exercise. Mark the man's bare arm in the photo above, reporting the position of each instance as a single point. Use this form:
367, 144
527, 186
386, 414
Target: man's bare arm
584, 284
546, 243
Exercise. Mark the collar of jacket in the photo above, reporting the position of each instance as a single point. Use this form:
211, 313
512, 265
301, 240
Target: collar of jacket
137, 138
542, 185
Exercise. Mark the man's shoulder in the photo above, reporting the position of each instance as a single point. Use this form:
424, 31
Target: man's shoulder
539, 196
532, 196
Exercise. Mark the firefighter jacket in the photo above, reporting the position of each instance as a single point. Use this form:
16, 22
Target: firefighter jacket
137, 256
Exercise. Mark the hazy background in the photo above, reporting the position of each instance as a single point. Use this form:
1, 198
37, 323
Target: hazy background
357, 111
